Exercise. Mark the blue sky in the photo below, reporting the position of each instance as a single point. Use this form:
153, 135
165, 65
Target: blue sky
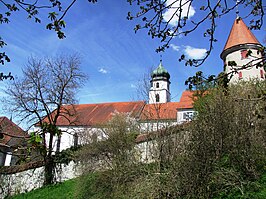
113, 56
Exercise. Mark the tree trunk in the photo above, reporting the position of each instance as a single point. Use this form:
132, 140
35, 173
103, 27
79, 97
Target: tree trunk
49, 170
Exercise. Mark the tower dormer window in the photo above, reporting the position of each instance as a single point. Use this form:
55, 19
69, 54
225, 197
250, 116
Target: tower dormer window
157, 85
157, 96
244, 54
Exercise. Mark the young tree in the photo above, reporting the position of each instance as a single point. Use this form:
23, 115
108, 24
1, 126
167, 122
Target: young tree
226, 147
45, 86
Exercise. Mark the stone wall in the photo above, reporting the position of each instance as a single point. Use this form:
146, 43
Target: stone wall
21, 179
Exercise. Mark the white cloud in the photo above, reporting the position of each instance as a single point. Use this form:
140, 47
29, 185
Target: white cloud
102, 70
175, 47
133, 86
175, 4
195, 53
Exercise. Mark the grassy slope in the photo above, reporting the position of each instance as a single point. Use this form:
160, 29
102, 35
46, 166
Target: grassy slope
66, 190
63, 190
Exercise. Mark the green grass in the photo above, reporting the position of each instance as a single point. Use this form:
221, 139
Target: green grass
63, 190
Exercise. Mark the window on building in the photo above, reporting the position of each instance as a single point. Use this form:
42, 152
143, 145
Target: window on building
157, 85
188, 116
262, 74
76, 138
244, 54
157, 96
240, 75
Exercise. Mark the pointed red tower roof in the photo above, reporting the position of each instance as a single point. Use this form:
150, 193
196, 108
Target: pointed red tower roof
240, 34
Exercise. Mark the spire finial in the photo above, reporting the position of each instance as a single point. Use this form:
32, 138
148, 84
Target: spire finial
161, 59
237, 11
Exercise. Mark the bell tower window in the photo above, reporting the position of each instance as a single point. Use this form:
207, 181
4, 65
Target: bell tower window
157, 96
157, 85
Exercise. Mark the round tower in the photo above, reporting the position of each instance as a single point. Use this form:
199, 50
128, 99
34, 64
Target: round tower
160, 85
240, 54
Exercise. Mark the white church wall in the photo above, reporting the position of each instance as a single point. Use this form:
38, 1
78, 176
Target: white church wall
185, 115
84, 135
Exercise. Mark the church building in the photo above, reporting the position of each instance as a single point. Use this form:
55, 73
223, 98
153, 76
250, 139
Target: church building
241, 56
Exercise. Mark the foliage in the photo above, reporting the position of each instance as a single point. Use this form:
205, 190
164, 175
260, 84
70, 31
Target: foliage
227, 145
115, 155
70, 189
222, 152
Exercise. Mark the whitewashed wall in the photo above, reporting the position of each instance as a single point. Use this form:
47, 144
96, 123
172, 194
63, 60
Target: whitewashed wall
247, 74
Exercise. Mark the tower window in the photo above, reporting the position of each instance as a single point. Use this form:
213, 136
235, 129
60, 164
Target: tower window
244, 54
157, 85
262, 74
157, 96
240, 76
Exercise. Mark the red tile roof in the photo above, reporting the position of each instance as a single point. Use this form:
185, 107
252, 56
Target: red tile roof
186, 100
240, 34
10, 128
162, 111
96, 114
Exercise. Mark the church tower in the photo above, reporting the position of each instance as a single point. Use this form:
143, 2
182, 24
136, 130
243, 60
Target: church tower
237, 49
160, 85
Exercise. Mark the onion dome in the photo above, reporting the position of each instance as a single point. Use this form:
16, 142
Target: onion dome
160, 71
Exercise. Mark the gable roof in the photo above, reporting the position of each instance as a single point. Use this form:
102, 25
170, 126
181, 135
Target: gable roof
10, 130
96, 114
240, 34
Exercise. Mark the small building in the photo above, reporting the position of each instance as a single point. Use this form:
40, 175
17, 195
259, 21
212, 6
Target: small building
13, 140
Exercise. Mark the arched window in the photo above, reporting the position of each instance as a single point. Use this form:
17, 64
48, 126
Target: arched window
157, 85
157, 98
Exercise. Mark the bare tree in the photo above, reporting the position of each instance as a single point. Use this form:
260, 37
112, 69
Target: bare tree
45, 86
